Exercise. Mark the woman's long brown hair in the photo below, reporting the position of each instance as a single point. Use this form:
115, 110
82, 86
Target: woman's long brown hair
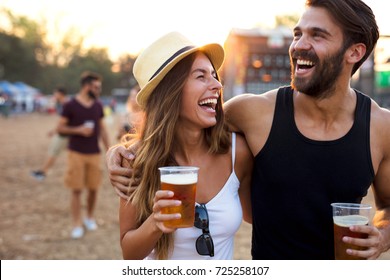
157, 139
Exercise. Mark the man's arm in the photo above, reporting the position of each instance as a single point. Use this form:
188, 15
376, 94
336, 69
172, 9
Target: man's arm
235, 116
118, 171
378, 240
64, 128
381, 219
381, 187
251, 115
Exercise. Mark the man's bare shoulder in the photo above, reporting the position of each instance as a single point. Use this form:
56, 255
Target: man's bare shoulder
380, 147
250, 112
251, 101
380, 115
380, 121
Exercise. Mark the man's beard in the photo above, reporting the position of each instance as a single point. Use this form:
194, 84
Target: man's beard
91, 94
323, 81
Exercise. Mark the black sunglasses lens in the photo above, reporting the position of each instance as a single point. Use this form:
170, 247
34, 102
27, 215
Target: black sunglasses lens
205, 245
201, 218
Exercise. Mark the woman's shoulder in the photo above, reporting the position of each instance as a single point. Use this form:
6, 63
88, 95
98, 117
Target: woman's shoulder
243, 153
243, 165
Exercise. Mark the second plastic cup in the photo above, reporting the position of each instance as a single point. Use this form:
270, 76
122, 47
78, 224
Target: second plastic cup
181, 180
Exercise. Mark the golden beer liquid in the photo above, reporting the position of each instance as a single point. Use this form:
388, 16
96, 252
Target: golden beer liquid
184, 189
341, 228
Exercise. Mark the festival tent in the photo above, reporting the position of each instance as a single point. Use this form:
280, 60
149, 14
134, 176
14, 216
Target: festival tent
26, 89
26, 95
8, 88
21, 94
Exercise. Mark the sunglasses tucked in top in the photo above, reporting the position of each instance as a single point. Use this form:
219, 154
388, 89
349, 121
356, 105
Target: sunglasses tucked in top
204, 244
224, 219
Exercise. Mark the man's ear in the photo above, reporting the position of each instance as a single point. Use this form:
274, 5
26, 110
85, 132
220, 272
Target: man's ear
355, 53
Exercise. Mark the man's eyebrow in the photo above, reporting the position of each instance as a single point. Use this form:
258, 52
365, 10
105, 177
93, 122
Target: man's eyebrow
313, 29
321, 30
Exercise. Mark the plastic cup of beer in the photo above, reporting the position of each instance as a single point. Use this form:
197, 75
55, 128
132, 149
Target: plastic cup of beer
181, 180
344, 216
89, 124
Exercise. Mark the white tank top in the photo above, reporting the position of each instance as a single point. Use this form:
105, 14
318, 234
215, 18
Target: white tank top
225, 217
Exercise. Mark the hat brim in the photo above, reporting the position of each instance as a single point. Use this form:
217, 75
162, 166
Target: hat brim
214, 52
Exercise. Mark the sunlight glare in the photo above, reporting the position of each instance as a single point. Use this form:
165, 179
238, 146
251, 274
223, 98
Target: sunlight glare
125, 27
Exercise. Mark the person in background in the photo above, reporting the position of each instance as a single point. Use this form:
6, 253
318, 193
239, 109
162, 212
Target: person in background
132, 119
315, 142
58, 141
82, 120
181, 96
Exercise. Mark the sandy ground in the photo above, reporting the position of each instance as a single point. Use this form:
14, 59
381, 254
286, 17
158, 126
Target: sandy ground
34, 216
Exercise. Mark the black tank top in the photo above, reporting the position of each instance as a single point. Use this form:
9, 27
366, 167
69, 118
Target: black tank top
295, 179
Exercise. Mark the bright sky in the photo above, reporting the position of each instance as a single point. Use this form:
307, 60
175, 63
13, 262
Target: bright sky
126, 26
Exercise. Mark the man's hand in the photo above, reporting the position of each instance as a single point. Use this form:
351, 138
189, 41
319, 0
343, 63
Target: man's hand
118, 160
373, 243
84, 130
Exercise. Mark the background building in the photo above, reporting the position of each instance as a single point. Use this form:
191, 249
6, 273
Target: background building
256, 60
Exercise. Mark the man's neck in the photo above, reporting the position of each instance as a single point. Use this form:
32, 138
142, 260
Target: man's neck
85, 99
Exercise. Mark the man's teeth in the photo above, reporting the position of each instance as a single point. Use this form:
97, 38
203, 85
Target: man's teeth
208, 101
305, 62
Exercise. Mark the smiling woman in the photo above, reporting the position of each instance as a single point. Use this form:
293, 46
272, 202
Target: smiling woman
184, 126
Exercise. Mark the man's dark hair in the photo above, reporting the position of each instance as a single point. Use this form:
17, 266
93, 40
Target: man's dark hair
62, 90
357, 21
88, 77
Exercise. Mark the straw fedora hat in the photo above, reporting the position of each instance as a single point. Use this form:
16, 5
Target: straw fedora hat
160, 57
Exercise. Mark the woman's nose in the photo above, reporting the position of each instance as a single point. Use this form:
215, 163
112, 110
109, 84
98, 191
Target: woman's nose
216, 85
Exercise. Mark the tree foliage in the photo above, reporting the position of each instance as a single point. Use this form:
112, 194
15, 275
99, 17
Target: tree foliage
17, 59
287, 20
26, 55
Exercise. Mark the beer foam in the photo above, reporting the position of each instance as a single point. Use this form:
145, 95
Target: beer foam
351, 220
179, 179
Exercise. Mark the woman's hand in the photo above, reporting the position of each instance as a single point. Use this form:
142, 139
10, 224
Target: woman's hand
164, 199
